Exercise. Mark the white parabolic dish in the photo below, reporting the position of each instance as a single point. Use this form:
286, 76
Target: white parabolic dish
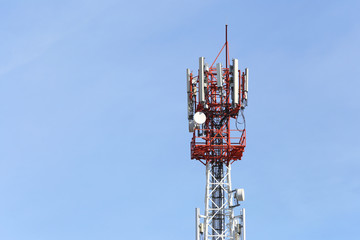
199, 118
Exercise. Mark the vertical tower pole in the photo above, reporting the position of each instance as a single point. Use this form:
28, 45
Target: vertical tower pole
197, 223
226, 48
207, 192
209, 120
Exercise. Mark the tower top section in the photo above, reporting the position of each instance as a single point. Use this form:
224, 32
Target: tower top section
216, 94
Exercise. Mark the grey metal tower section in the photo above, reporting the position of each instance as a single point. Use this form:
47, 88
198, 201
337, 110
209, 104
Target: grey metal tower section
219, 221
217, 197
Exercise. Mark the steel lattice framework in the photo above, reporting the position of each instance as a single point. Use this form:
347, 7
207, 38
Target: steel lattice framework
215, 143
217, 95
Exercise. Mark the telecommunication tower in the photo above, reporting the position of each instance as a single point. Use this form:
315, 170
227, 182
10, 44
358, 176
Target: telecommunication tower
215, 97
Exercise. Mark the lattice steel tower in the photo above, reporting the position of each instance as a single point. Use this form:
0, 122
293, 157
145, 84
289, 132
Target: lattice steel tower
216, 96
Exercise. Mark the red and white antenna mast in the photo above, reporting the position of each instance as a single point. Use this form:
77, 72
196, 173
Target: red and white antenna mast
216, 96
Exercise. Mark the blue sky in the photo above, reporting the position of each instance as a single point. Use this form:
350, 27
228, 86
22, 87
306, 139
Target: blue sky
93, 128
